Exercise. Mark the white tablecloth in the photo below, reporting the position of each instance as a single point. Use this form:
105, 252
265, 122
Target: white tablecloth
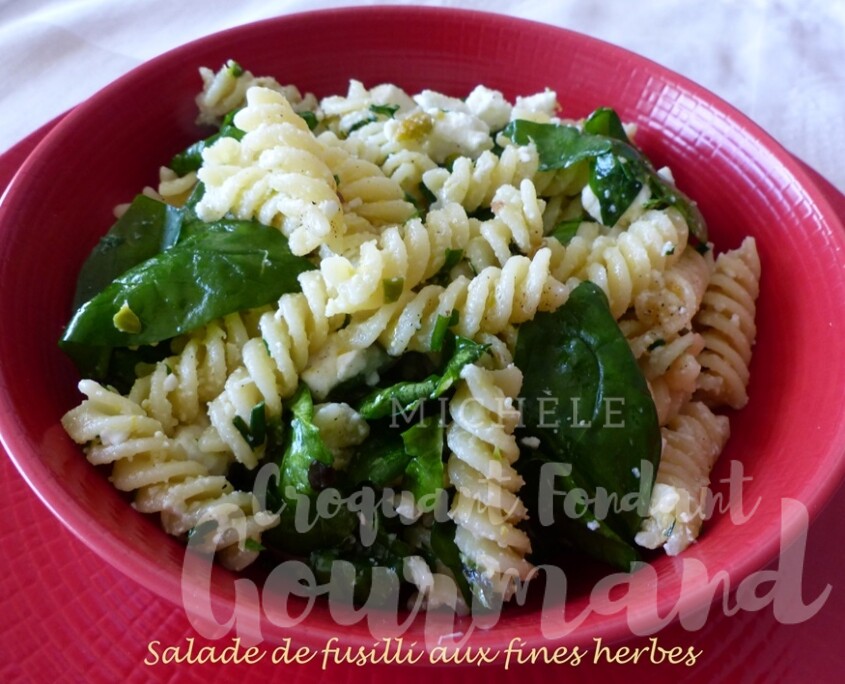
782, 62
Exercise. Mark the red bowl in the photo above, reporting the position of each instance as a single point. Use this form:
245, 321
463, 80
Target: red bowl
790, 439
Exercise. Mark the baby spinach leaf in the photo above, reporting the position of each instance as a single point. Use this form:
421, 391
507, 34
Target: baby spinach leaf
573, 525
605, 121
380, 460
558, 147
305, 448
236, 266
586, 401
564, 231
424, 473
615, 181
370, 573
146, 228
405, 397
618, 170
446, 551
190, 159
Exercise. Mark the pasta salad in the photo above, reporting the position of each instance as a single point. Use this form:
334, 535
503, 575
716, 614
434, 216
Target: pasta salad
451, 338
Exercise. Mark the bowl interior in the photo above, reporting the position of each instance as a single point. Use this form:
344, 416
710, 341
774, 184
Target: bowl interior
789, 440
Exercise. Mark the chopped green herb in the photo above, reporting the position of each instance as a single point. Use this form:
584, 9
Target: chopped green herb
393, 288
441, 327
360, 124
251, 544
255, 433
564, 231
387, 110
234, 68
310, 119
404, 397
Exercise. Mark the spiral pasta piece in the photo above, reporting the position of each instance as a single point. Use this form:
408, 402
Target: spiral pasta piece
672, 371
178, 388
486, 507
726, 322
692, 441
669, 305
370, 198
622, 262
518, 220
272, 363
472, 183
402, 255
275, 174
224, 91
492, 302
167, 474
345, 114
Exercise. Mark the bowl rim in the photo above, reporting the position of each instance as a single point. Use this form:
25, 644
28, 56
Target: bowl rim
127, 559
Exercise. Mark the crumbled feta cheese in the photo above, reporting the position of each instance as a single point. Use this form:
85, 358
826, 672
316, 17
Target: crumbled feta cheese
540, 107
490, 106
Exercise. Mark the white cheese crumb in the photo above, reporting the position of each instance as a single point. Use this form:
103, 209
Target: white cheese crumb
531, 442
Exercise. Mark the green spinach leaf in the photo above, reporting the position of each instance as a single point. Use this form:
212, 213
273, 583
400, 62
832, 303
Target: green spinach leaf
146, 228
303, 471
239, 265
618, 170
405, 397
605, 121
370, 574
381, 460
446, 551
190, 159
424, 473
586, 401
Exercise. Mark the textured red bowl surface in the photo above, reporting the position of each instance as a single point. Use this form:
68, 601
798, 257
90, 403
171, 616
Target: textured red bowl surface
790, 439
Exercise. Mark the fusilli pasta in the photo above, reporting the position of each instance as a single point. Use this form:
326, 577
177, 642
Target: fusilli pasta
726, 322
692, 441
486, 507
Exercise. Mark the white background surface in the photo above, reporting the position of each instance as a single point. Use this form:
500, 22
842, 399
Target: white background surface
782, 62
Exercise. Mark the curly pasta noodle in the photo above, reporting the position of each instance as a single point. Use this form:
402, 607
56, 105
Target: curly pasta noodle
370, 198
275, 174
472, 183
486, 507
178, 388
672, 372
726, 322
167, 474
622, 262
414, 253
406, 255
272, 363
692, 441
490, 303
225, 90
657, 330
669, 305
